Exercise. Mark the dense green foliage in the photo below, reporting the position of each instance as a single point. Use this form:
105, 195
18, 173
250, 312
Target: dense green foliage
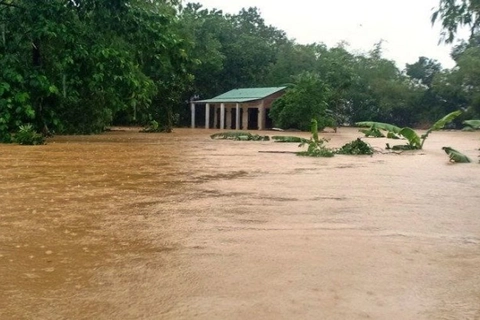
306, 99
71, 66
75, 66
461, 84
457, 13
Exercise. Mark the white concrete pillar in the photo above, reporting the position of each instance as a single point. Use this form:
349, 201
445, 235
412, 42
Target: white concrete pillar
229, 118
237, 117
222, 116
192, 110
215, 117
207, 116
245, 118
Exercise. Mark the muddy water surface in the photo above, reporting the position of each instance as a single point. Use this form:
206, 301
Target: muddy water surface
127, 225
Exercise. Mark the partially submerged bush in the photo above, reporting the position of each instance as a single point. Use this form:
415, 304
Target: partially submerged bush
316, 149
356, 147
288, 139
403, 147
239, 136
154, 126
27, 135
415, 141
372, 132
318, 153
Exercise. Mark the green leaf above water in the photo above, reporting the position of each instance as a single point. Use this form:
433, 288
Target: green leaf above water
456, 156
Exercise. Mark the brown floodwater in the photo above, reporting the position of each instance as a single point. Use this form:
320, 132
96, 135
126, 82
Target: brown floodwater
127, 225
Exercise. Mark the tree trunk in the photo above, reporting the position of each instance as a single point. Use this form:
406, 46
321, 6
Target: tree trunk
36, 56
37, 64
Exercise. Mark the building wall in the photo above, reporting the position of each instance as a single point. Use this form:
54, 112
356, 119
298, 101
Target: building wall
268, 101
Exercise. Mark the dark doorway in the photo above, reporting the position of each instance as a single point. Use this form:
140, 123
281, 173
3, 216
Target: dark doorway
200, 116
252, 118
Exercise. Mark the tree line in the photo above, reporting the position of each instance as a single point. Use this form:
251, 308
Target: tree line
78, 66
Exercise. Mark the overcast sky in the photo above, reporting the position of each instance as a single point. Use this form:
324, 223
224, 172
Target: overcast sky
403, 25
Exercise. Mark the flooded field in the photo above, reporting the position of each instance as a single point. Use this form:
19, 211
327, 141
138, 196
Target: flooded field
127, 225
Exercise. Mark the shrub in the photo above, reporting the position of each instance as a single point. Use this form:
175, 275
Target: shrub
27, 135
356, 147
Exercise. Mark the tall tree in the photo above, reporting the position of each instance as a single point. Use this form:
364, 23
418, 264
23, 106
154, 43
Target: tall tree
336, 67
232, 50
306, 99
291, 60
424, 70
379, 91
457, 13
74, 66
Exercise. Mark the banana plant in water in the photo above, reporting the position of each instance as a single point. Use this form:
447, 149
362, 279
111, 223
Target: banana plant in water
456, 156
472, 124
316, 147
415, 141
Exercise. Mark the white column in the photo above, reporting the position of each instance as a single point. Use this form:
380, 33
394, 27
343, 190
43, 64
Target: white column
192, 109
215, 117
237, 117
222, 116
207, 116
245, 118
229, 118
261, 117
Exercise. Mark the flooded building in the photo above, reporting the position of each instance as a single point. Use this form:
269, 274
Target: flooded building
237, 109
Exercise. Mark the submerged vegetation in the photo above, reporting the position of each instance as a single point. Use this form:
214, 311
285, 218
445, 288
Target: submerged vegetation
471, 125
373, 131
239, 136
154, 126
288, 139
316, 147
27, 135
456, 156
356, 147
414, 140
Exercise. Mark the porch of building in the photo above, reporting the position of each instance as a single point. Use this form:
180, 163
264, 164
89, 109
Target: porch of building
237, 109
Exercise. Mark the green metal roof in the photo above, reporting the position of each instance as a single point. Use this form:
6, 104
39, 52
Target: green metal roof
243, 95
